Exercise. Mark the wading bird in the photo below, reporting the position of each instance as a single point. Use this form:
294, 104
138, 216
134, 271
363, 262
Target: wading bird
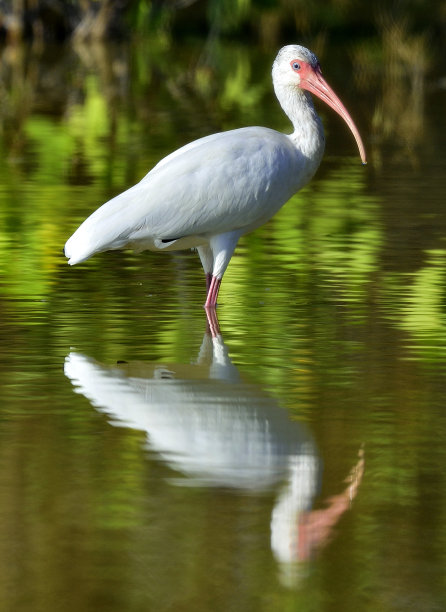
210, 192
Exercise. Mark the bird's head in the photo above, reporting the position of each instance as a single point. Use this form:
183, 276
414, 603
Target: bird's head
293, 63
298, 68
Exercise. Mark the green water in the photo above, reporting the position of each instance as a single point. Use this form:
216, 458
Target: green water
296, 461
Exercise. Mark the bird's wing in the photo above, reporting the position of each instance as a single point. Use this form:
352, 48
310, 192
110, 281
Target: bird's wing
214, 185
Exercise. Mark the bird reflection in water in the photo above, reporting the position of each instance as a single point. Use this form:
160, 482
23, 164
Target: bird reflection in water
217, 430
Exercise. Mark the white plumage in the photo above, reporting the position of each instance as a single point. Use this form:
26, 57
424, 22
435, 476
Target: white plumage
212, 191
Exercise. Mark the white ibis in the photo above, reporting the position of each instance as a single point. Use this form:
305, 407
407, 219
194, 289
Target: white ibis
210, 192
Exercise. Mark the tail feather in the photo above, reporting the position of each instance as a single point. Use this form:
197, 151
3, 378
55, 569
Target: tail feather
84, 243
101, 231
78, 247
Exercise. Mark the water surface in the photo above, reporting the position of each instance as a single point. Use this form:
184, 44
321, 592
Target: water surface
291, 458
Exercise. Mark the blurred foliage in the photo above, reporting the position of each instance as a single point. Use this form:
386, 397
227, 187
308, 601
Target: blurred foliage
264, 21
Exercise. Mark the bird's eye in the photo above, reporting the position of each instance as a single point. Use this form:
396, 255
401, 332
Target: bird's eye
295, 66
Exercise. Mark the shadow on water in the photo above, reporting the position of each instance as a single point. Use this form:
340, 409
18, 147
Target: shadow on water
216, 430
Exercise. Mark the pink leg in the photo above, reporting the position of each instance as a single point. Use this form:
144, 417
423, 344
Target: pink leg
208, 281
211, 300
213, 327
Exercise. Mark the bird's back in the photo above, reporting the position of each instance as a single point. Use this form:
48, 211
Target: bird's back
220, 183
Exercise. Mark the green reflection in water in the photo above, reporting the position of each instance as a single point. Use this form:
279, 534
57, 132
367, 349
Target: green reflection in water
420, 311
313, 309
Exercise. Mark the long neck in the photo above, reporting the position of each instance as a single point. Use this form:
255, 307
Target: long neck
308, 135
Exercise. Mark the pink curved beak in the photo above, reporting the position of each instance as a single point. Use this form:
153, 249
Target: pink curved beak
315, 83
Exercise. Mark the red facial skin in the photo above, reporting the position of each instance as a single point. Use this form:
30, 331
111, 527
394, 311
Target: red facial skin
312, 80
